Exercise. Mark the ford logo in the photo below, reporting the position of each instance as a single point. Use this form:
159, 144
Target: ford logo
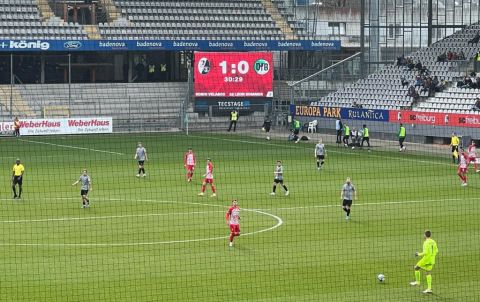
73, 44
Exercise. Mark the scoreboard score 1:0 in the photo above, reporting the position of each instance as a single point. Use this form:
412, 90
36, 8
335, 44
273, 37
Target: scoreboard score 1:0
233, 74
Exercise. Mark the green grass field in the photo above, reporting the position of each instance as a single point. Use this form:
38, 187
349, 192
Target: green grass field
154, 239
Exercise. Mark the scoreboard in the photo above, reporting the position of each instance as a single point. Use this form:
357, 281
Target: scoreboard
233, 75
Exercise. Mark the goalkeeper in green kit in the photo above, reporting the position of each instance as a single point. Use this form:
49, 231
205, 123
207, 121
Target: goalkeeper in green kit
427, 262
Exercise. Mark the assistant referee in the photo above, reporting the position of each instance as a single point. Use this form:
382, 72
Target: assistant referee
17, 178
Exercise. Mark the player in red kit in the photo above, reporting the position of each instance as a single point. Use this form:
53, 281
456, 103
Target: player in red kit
462, 167
472, 155
189, 162
208, 179
233, 220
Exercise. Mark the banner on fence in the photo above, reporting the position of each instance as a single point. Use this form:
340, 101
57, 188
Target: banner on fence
173, 45
84, 125
435, 118
341, 113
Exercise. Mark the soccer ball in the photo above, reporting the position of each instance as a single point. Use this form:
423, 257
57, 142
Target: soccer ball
268, 138
353, 147
381, 277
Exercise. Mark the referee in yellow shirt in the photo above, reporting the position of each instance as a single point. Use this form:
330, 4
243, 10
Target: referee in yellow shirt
17, 178
455, 141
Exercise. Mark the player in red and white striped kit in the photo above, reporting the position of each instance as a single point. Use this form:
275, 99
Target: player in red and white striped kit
462, 167
189, 162
472, 155
208, 179
233, 220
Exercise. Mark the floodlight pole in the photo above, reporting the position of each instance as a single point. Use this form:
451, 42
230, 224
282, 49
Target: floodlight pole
69, 81
12, 82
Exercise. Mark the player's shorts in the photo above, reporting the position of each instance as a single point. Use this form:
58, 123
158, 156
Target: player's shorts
235, 228
427, 266
141, 162
472, 160
462, 170
278, 181
296, 131
346, 137
83, 192
267, 129
321, 157
17, 180
208, 181
190, 167
347, 203
454, 148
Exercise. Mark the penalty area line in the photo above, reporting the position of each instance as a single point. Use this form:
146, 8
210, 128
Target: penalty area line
71, 147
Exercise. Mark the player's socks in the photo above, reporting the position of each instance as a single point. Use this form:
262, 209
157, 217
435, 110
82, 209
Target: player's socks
321, 164
231, 236
318, 164
203, 189
213, 190
286, 189
429, 282
417, 277
14, 192
348, 212
274, 189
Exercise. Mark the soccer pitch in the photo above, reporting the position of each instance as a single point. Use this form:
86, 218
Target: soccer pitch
154, 239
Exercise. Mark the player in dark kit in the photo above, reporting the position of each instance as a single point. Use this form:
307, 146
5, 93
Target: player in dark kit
86, 183
349, 192
278, 179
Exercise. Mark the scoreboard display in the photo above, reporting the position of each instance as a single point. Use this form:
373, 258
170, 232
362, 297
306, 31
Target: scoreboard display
233, 74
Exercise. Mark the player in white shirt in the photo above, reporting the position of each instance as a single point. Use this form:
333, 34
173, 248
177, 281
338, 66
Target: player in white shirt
189, 162
208, 179
233, 220
462, 167
472, 155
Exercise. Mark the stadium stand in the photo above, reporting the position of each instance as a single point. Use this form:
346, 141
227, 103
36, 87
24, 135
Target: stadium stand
21, 19
219, 19
384, 89
148, 104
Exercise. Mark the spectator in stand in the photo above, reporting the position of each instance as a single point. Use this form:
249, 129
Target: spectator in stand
356, 105
465, 83
476, 106
461, 56
476, 84
428, 86
418, 66
405, 82
413, 93
401, 61
475, 39
418, 81
441, 86
442, 57
410, 64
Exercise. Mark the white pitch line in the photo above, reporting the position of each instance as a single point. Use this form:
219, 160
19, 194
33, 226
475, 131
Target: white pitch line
104, 217
71, 147
328, 151
277, 225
